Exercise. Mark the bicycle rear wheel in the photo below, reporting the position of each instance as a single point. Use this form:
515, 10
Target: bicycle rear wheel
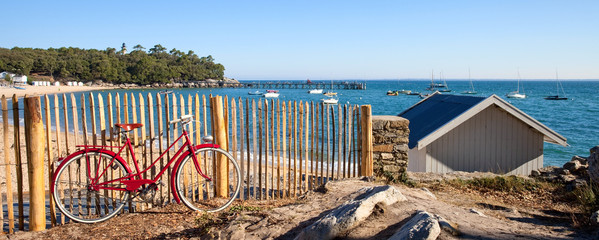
201, 194
77, 200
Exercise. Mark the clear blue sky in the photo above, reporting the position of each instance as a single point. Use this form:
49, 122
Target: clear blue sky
331, 39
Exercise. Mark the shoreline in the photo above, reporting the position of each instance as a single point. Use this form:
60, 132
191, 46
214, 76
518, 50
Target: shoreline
42, 90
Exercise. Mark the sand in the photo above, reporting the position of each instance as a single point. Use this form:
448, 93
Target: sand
41, 90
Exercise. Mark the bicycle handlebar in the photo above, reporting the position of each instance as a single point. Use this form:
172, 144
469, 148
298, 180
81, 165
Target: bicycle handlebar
184, 118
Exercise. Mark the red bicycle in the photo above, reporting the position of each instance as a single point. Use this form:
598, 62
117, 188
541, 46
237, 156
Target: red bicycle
94, 184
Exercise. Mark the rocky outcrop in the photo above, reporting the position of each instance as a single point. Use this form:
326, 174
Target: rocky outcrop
593, 163
422, 226
351, 213
573, 174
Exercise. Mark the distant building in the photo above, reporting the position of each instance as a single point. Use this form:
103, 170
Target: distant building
465, 133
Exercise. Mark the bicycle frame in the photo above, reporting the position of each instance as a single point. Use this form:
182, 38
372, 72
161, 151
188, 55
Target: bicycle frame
133, 182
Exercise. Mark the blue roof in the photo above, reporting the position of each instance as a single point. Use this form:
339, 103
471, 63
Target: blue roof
434, 112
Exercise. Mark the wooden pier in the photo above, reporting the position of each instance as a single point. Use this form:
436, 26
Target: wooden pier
345, 85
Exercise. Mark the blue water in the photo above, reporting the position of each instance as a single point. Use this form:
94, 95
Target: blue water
576, 119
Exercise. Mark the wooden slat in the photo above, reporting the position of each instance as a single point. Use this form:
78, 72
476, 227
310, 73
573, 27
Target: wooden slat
328, 154
314, 150
306, 145
345, 128
300, 145
167, 112
333, 135
242, 142
284, 145
152, 133
278, 141
339, 141
233, 129
49, 155
205, 116
294, 149
260, 122
160, 140
255, 145
198, 136
322, 141
9, 198
142, 140
247, 147
266, 147
359, 143
18, 162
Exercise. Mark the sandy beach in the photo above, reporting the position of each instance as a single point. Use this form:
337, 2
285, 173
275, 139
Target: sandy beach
41, 90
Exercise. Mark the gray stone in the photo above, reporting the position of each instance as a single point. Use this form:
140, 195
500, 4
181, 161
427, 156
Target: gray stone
580, 159
387, 155
429, 193
351, 213
593, 169
422, 226
535, 173
573, 166
447, 226
595, 218
472, 210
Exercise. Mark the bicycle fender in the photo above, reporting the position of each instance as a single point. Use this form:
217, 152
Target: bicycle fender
178, 162
72, 155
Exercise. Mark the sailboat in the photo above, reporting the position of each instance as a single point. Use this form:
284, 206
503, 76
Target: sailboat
443, 87
559, 85
516, 94
471, 91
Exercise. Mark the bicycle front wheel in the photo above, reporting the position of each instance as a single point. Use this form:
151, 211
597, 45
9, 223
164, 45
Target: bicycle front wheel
73, 192
214, 193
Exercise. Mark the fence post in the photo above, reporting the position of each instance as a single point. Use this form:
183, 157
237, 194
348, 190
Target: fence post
35, 163
366, 122
220, 135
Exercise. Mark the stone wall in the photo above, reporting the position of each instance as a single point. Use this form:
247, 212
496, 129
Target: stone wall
390, 146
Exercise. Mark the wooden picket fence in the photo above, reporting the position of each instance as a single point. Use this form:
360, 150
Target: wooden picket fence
284, 148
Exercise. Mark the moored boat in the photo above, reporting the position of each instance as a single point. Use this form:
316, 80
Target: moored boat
315, 91
272, 91
255, 93
559, 86
271, 95
329, 100
517, 93
392, 93
330, 94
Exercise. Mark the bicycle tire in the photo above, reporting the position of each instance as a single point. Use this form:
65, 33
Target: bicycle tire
89, 206
199, 194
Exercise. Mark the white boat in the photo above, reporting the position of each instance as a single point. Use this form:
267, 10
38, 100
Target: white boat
271, 95
315, 91
516, 94
471, 91
255, 93
329, 100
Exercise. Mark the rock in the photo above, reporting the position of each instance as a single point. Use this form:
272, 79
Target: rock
593, 161
447, 226
351, 213
595, 218
535, 173
573, 165
567, 178
580, 159
472, 210
422, 226
429, 193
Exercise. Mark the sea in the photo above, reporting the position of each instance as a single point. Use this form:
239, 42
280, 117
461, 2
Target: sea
577, 118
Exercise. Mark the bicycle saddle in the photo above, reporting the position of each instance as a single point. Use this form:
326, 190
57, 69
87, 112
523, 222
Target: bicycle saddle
129, 126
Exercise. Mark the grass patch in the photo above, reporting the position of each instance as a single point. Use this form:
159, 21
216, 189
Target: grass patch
510, 184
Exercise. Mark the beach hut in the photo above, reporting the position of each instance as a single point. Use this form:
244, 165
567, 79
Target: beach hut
80, 84
57, 84
466, 133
